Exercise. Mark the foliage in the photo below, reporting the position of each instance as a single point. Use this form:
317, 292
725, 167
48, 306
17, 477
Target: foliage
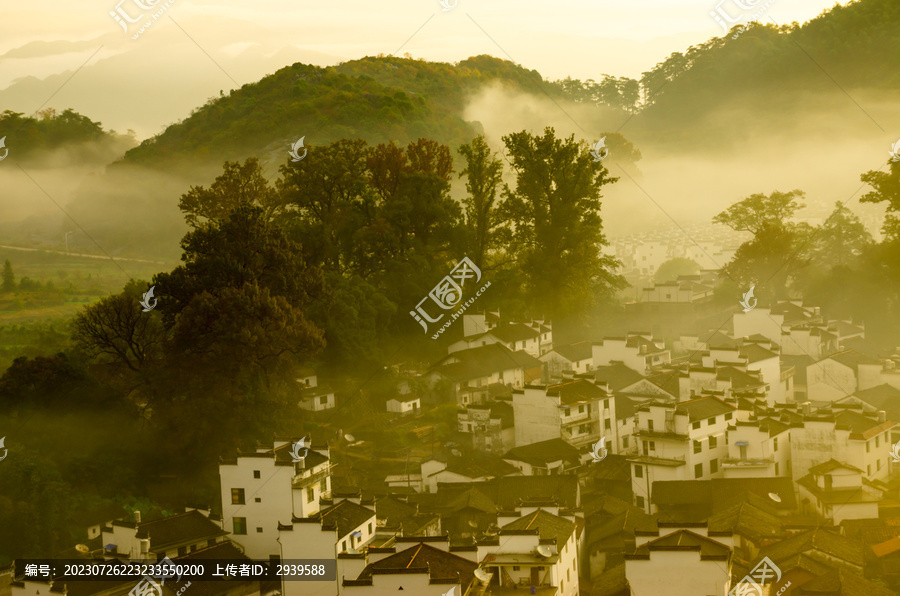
671, 269
555, 211
49, 131
9, 278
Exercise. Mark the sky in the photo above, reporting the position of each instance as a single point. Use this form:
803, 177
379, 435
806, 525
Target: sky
63, 54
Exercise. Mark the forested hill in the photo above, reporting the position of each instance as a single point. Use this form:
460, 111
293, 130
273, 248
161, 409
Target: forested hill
377, 99
763, 79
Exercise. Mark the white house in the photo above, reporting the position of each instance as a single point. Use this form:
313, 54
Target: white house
836, 491
840, 375
172, 536
758, 448
638, 351
471, 372
534, 338
577, 411
680, 560
535, 546
685, 441
408, 403
262, 489
577, 357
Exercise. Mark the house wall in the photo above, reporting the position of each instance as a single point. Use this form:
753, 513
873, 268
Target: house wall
677, 573
314, 404
771, 374
828, 380
758, 320
537, 416
308, 541
273, 488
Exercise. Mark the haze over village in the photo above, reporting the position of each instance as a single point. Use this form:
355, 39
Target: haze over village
450, 298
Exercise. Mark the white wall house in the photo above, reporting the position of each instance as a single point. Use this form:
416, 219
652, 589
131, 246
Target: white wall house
538, 546
262, 489
680, 561
835, 491
758, 449
639, 352
684, 441
578, 411
577, 358
840, 375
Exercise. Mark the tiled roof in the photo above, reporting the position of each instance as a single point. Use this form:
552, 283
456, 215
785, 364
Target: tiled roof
685, 540
543, 452
617, 375
755, 353
181, 529
483, 361
506, 493
574, 392
799, 363
851, 359
704, 407
844, 582
346, 516
480, 466
861, 427
831, 465
576, 352
749, 520
667, 381
511, 332
550, 526
739, 379
439, 564
819, 539
720, 493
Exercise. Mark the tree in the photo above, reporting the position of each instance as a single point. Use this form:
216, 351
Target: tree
671, 269
887, 190
329, 197
758, 211
558, 231
840, 240
9, 279
484, 177
116, 331
239, 184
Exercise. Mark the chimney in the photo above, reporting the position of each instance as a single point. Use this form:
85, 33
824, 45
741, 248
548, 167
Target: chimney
137, 517
882, 416
807, 408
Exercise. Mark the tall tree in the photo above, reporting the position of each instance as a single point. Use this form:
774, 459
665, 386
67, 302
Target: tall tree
484, 178
9, 279
759, 211
886, 187
840, 240
239, 184
558, 231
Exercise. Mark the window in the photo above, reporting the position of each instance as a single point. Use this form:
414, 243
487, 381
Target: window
259, 530
310, 494
650, 425
182, 551
624, 442
639, 501
713, 442
323, 400
876, 441
240, 525
370, 527
728, 416
323, 486
877, 464
646, 448
256, 474
652, 445
868, 469
695, 425
606, 404
566, 411
868, 446
776, 468
711, 421
343, 545
713, 466
639, 471
258, 500
775, 444
568, 576
607, 425
698, 447
581, 409
516, 568
237, 496
211, 542
698, 470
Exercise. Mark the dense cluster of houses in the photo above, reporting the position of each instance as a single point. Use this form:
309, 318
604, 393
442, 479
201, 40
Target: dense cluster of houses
752, 461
